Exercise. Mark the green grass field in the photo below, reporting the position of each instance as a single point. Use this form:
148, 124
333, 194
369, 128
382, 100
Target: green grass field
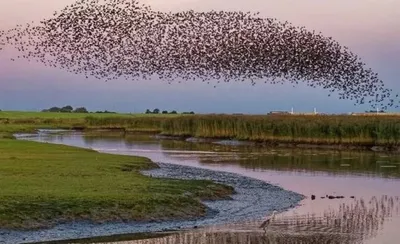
20, 121
44, 184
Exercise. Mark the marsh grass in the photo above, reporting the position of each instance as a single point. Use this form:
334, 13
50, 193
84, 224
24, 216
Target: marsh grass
331, 130
138, 123
14, 121
343, 130
44, 184
294, 129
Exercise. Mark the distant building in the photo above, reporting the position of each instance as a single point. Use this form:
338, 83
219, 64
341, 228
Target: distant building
278, 112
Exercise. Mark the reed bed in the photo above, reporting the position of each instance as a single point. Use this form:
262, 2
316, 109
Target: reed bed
366, 131
343, 130
141, 124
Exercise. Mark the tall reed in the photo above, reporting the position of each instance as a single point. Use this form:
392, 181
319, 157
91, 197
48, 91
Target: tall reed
146, 123
357, 130
319, 129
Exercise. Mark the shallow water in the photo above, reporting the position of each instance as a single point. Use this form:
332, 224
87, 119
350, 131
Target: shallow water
369, 184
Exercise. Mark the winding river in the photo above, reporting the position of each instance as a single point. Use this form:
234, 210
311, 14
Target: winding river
350, 196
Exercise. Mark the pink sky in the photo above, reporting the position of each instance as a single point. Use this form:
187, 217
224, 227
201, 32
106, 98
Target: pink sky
359, 24
327, 15
371, 29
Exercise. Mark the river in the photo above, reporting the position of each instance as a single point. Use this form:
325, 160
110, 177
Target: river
365, 187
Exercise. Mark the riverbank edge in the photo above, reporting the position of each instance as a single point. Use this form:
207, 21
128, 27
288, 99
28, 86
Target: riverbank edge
268, 144
338, 132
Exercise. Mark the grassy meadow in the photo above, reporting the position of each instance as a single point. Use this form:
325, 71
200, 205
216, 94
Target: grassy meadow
45, 184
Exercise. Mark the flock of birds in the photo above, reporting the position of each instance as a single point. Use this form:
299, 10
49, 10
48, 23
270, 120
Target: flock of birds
114, 39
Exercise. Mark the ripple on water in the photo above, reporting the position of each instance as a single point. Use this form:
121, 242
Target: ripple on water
356, 223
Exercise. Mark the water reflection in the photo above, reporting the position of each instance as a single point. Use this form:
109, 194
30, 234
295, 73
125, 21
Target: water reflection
300, 160
314, 161
350, 223
365, 175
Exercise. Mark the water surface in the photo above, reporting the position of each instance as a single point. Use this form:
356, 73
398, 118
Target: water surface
367, 184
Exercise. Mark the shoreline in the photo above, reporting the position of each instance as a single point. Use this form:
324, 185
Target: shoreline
338, 132
258, 143
253, 199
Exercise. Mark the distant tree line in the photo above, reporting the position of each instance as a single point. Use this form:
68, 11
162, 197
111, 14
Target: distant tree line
157, 111
70, 109
105, 112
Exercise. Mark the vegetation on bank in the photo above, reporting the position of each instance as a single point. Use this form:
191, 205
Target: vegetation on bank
330, 130
45, 184
296, 129
345, 130
18, 121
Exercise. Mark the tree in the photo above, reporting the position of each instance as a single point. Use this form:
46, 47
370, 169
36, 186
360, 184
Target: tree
148, 111
66, 109
165, 112
54, 109
156, 111
174, 112
81, 110
105, 112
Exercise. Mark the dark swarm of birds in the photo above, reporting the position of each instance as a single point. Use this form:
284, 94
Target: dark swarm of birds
114, 39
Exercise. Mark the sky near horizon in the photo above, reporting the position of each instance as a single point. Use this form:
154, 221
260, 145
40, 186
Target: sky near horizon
370, 28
